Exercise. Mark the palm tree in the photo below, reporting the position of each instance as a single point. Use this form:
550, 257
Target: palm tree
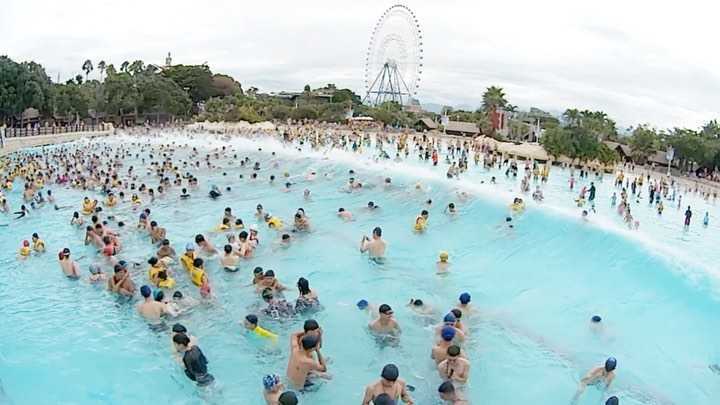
87, 67
572, 116
493, 98
124, 66
101, 67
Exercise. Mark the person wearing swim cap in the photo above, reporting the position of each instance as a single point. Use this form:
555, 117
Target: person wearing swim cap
150, 309
612, 401
288, 398
245, 246
38, 244
389, 384
166, 250
449, 395
375, 246
251, 323
442, 265
455, 367
181, 303
96, 274
69, 267
230, 259
272, 389
204, 245
345, 214
464, 303
188, 257
194, 361
451, 320
258, 275
303, 367
384, 323
420, 307
120, 282
384, 399
439, 351
602, 376
181, 329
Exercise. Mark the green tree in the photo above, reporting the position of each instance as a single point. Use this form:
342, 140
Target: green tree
196, 79
306, 89
557, 142
493, 98
643, 142
87, 67
101, 67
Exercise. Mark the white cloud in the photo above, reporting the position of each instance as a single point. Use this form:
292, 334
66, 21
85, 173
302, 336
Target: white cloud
640, 61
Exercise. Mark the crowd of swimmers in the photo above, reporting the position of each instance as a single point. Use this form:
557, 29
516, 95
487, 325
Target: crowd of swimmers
162, 300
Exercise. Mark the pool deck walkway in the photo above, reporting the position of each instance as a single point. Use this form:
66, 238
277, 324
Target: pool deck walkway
11, 145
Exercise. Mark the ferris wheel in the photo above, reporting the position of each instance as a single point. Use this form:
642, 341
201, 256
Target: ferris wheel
394, 59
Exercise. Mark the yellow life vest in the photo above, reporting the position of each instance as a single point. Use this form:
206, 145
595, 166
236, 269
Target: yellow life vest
25, 251
275, 222
187, 261
168, 283
39, 244
420, 224
196, 276
153, 273
264, 333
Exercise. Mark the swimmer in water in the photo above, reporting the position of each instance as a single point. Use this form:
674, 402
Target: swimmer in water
375, 246
251, 324
384, 322
389, 384
194, 361
451, 209
449, 395
344, 214
273, 388
419, 307
602, 375
442, 265
69, 267
455, 367
306, 363
150, 309
96, 274
230, 259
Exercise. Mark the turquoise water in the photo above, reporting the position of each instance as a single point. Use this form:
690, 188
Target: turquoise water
535, 287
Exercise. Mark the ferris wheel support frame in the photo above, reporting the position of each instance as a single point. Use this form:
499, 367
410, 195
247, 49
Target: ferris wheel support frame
392, 86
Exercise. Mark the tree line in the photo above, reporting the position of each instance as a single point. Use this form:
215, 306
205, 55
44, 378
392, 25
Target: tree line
139, 89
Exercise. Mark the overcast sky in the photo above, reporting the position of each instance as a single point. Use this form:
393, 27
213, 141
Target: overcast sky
640, 61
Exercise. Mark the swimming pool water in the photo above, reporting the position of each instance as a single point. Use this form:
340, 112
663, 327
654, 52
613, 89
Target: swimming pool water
535, 287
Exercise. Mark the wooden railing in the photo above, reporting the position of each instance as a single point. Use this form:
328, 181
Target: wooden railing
38, 131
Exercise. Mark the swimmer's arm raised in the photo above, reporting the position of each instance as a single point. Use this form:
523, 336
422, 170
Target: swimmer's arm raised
405, 395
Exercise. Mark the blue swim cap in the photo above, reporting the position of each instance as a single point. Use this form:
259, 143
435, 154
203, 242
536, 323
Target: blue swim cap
612, 401
450, 317
270, 380
190, 247
447, 333
596, 318
464, 298
362, 304
145, 291
610, 364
